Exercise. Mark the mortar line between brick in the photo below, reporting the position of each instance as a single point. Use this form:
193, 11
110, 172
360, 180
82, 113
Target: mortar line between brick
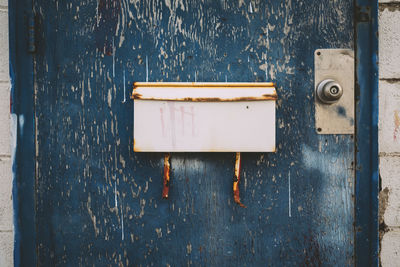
391, 5
390, 80
6, 231
391, 228
5, 156
391, 154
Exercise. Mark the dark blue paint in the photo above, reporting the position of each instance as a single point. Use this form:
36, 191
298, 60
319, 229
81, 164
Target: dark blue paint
367, 176
108, 12
200, 211
32, 46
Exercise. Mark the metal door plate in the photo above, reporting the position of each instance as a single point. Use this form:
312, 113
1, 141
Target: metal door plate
338, 65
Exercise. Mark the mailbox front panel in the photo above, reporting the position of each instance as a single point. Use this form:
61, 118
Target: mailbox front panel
177, 126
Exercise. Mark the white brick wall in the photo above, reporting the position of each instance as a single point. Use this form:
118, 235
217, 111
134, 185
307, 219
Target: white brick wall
6, 248
390, 254
388, 34
6, 220
389, 123
389, 129
388, 1
4, 72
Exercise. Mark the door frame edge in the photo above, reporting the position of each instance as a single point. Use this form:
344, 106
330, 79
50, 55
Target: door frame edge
22, 132
366, 137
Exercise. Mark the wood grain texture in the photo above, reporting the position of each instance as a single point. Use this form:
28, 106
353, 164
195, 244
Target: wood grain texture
100, 204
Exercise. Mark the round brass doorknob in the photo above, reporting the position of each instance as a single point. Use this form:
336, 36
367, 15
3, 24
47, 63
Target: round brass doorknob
329, 91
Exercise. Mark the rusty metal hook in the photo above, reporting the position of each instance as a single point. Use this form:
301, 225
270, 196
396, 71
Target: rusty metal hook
166, 182
236, 180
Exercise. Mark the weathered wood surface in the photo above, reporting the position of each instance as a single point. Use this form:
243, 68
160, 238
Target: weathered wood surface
100, 204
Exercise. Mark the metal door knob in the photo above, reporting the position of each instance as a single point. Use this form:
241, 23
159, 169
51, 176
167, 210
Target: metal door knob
329, 91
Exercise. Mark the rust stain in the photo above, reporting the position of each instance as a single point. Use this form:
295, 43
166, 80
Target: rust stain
135, 147
138, 96
312, 254
236, 180
167, 166
255, 92
396, 124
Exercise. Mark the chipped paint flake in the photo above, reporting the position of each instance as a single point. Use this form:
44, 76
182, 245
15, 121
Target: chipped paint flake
159, 232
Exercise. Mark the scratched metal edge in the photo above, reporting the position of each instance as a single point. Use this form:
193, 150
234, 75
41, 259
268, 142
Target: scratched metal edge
137, 96
266, 91
138, 149
22, 112
204, 84
367, 177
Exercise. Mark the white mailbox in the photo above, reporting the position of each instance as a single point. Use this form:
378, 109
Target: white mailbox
204, 117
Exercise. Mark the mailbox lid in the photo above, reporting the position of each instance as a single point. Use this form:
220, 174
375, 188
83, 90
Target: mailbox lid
204, 92
204, 117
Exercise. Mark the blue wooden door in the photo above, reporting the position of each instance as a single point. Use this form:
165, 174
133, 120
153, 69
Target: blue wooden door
97, 203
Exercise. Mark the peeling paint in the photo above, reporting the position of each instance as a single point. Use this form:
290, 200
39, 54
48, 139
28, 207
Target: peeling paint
92, 216
94, 193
